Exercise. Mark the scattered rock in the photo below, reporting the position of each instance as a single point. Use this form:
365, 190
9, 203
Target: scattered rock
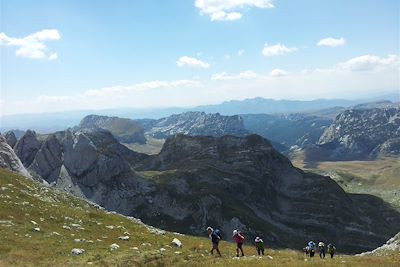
125, 237
36, 229
114, 247
77, 251
270, 257
177, 242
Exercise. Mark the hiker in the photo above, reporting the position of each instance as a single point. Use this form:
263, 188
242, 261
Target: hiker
215, 236
259, 245
331, 249
239, 239
311, 245
321, 250
306, 250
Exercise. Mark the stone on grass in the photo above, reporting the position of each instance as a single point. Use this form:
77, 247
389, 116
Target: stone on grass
177, 242
77, 251
36, 229
125, 237
114, 247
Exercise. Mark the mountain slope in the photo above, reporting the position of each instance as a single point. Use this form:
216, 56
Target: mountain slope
232, 182
66, 222
195, 123
289, 130
124, 130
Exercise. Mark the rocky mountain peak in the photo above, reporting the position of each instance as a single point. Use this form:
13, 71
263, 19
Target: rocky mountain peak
10, 138
27, 147
356, 133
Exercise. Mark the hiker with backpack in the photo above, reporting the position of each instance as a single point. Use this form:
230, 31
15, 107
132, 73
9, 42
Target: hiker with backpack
321, 250
331, 249
311, 246
215, 236
239, 239
259, 245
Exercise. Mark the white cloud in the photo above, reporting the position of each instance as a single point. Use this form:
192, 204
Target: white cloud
369, 63
331, 42
191, 62
277, 73
227, 57
240, 52
121, 90
223, 76
222, 15
33, 45
275, 50
53, 56
227, 10
246, 75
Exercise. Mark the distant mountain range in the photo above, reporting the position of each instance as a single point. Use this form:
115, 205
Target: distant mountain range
50, 122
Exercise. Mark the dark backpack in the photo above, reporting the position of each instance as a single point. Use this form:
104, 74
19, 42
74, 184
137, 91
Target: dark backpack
218, 233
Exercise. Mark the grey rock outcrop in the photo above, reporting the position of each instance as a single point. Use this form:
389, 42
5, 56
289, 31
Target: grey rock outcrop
362, 133
10, 138
10, 161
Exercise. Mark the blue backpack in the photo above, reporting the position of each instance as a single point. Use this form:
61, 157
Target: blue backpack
218, 233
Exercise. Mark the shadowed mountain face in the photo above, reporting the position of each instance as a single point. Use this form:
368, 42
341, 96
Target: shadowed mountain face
362, 134
290, 130
229, 182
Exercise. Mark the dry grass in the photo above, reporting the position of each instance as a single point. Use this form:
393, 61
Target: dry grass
380, 177
153, 146
23, 201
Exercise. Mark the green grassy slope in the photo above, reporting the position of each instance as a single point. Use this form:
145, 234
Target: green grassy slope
66, 222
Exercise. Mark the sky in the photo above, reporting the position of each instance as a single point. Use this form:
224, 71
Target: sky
72, 55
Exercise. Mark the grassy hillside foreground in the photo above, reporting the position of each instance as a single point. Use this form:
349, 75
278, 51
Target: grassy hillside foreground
64, 222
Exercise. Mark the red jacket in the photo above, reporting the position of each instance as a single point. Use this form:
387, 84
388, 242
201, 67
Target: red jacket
238, 238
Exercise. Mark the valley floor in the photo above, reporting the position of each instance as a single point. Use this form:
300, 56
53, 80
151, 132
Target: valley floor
40, 226
380, 177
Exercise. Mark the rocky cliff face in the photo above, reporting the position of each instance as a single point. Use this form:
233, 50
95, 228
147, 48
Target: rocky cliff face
27, 147
363, 134
244, 183
10, 161
196, 123
196, 181
124, 130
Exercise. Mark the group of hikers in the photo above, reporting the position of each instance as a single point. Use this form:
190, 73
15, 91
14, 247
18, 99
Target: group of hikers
311, 248
216, 236
238, 238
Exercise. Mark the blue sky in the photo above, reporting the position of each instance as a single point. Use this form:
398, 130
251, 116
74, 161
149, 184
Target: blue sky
67, 55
